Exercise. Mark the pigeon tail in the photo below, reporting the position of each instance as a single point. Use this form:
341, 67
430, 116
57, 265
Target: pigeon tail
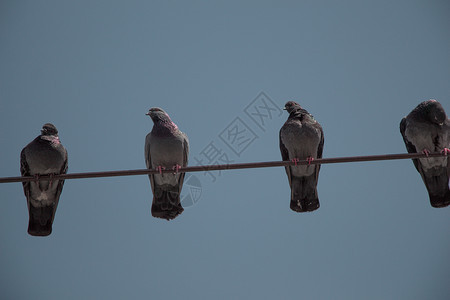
440, 200
41, 220
438, 189
304, 196
166, 205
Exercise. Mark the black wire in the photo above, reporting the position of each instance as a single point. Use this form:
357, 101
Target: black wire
223, 167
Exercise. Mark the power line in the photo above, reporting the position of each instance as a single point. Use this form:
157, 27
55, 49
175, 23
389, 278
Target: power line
223, 167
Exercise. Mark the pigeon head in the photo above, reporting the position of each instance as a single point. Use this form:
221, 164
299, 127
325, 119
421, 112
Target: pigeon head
433, 111
292, 106
161, 121
157, 114
49, 129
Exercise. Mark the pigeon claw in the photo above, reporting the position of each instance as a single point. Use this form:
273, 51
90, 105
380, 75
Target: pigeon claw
295, 161
309, 160
176, 168
445, 151
160, 169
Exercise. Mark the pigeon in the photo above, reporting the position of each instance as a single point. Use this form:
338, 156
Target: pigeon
166, 147
427, 129
44, 155
301, 137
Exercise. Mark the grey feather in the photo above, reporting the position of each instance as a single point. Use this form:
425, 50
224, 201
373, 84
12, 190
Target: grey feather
301, 137
44, 155
427, 128
166, 146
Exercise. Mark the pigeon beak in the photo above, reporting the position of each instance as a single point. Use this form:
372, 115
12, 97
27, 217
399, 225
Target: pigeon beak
147, 114
284, 108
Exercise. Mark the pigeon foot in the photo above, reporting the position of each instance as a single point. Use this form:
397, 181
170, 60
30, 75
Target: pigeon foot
160, 169
176, 168
51, 175
426, 152
445, 151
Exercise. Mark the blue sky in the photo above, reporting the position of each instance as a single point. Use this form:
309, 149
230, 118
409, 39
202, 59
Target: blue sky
94, 68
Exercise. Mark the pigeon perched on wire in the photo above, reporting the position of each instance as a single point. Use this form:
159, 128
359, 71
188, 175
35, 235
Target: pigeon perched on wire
427, 129
301, 138
45, 155
166, 147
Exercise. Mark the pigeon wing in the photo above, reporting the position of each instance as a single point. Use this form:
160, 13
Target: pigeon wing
63, 170
185, 159
59, 188
25, 171
148, 160
319, 149
285, 157
409, 145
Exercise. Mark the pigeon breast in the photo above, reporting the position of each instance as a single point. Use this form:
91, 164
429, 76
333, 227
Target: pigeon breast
166, 152
430, 136
302, 140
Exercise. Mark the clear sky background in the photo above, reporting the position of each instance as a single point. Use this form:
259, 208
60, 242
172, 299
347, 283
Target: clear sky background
94, 68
